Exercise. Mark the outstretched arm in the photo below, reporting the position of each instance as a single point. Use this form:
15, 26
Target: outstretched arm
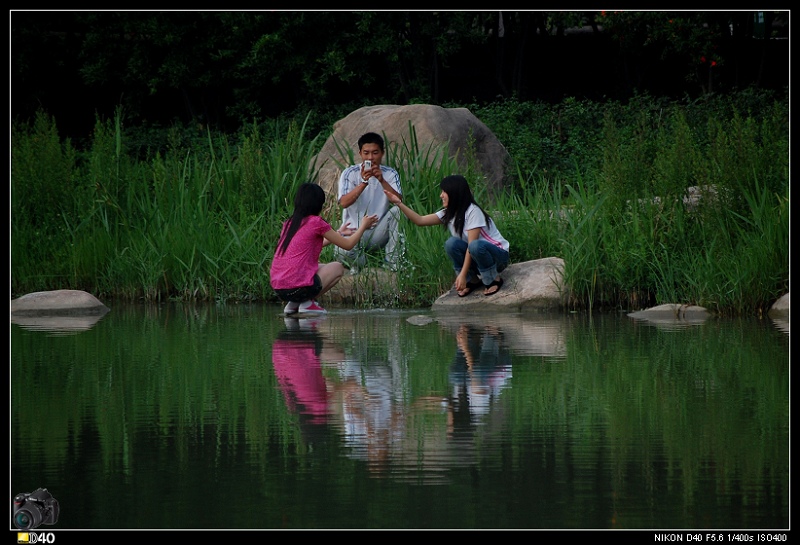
345, 230
416, 219
348, 243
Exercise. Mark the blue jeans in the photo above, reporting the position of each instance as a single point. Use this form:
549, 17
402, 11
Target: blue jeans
487, 259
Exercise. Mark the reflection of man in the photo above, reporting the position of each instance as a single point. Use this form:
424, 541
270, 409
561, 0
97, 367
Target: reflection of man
370, 398
361, 193
480, 371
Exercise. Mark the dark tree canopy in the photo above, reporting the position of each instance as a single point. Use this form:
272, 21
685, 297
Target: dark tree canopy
226, 67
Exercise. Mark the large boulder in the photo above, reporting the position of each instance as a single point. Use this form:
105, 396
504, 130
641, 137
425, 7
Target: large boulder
533, 284
434, 126
58, 303
537, 284
59, 311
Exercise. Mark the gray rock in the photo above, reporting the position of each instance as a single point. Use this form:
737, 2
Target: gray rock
672, 310
672, 315
528, 285
434, 126
779, 313
533, 284
692, 198
420, 320
781, 305
58, 303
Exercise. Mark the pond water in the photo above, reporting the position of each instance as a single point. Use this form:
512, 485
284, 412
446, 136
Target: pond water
231, 417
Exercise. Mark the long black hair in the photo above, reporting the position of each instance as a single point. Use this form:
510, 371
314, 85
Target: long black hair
459, 197
307, 202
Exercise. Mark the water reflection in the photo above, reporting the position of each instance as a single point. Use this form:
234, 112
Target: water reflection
671, 317
365, 395
296, 360
369, 402
480, 371
364, 392
586, 421
781, 321
531, 335
57, 325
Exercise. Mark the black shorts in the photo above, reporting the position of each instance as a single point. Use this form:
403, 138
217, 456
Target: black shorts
303, 293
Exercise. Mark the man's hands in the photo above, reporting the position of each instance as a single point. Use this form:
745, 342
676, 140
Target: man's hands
367, 173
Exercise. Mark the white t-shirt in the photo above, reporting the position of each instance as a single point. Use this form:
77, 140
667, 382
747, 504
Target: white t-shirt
372, 200
475, 219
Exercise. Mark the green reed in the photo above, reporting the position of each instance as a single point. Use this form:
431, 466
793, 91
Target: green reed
635, 238
198, 218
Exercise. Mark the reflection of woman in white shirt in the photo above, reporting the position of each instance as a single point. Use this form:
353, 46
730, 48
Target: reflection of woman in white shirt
481, 369
476, 246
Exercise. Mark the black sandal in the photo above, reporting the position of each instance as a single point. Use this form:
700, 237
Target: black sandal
469, 288
498, 283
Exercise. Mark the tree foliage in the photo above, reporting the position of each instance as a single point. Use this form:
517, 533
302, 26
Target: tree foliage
228, 67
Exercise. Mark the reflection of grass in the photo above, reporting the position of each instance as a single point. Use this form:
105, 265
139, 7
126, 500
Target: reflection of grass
709, 398
634, 406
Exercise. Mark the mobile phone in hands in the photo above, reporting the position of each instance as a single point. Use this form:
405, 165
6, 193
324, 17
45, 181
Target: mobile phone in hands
367, 165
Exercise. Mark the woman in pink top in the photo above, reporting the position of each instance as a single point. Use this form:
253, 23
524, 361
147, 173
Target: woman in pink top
296, 274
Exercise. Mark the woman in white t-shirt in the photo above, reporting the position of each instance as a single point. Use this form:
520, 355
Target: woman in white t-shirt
476, 246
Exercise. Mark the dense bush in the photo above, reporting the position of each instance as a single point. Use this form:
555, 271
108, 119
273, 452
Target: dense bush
181, 212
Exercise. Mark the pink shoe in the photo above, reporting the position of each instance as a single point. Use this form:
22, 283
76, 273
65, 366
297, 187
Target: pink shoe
311, 307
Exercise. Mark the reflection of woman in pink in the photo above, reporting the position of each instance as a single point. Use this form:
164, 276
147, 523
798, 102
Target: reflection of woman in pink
296, 361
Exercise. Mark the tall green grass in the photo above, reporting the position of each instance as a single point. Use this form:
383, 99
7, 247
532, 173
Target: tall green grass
198, 218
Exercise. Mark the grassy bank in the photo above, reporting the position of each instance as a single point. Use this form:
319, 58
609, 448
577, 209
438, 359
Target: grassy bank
183, 213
